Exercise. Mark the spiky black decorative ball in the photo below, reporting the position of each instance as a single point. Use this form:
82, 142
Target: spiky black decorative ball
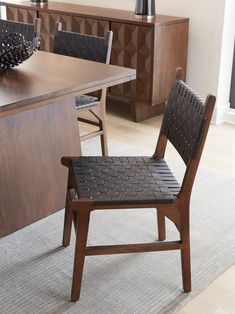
14, 49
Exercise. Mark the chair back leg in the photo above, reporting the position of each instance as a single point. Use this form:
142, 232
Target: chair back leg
103, 137
161, 226
68, 213
68, 219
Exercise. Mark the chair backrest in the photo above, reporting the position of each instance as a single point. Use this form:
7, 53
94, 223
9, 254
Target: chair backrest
29, 31
185, 124
82, 46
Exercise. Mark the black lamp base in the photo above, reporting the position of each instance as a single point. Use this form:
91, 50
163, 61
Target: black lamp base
145, 9
38, 1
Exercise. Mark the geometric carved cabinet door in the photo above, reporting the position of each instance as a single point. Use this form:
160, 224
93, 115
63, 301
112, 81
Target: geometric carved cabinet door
48, 28
89, 26
132, 47
21, 15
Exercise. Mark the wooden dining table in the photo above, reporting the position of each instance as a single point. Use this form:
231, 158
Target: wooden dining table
38, 125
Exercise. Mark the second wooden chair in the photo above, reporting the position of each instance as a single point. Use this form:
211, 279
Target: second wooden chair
91, 48
28, 30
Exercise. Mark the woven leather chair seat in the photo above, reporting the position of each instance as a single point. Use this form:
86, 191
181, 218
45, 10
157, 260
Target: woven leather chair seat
124, 179
86, 102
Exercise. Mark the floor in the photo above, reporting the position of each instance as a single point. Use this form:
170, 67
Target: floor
218, 156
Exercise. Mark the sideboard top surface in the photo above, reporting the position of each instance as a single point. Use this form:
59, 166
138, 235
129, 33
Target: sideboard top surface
95, 12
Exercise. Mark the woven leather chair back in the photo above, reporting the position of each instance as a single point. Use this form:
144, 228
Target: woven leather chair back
81, 46
29, 31
183, 121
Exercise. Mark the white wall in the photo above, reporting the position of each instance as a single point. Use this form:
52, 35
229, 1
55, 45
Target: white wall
209, 30
223, 111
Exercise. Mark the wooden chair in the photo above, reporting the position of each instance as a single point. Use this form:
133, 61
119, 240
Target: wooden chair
29, 31
96, 183
91, 48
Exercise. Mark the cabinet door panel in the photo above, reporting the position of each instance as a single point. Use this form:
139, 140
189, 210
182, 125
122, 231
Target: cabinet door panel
48, 27
21, 15
133, 48
171, 42
89, 26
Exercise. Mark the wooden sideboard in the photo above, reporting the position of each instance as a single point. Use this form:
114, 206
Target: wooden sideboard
153, 47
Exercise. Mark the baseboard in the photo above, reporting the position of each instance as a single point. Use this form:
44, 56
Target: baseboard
223, 114
229, 116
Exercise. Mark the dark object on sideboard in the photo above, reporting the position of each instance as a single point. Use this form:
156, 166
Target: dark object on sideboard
39, 1
145, 8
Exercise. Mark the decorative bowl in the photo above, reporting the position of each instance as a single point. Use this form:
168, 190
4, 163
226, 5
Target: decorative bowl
14, 49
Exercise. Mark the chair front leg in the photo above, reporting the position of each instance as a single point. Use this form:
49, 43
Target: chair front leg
80, 253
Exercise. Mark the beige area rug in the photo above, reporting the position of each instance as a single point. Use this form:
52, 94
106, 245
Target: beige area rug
35, 271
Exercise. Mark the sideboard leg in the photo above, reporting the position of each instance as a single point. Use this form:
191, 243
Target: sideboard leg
141, 111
